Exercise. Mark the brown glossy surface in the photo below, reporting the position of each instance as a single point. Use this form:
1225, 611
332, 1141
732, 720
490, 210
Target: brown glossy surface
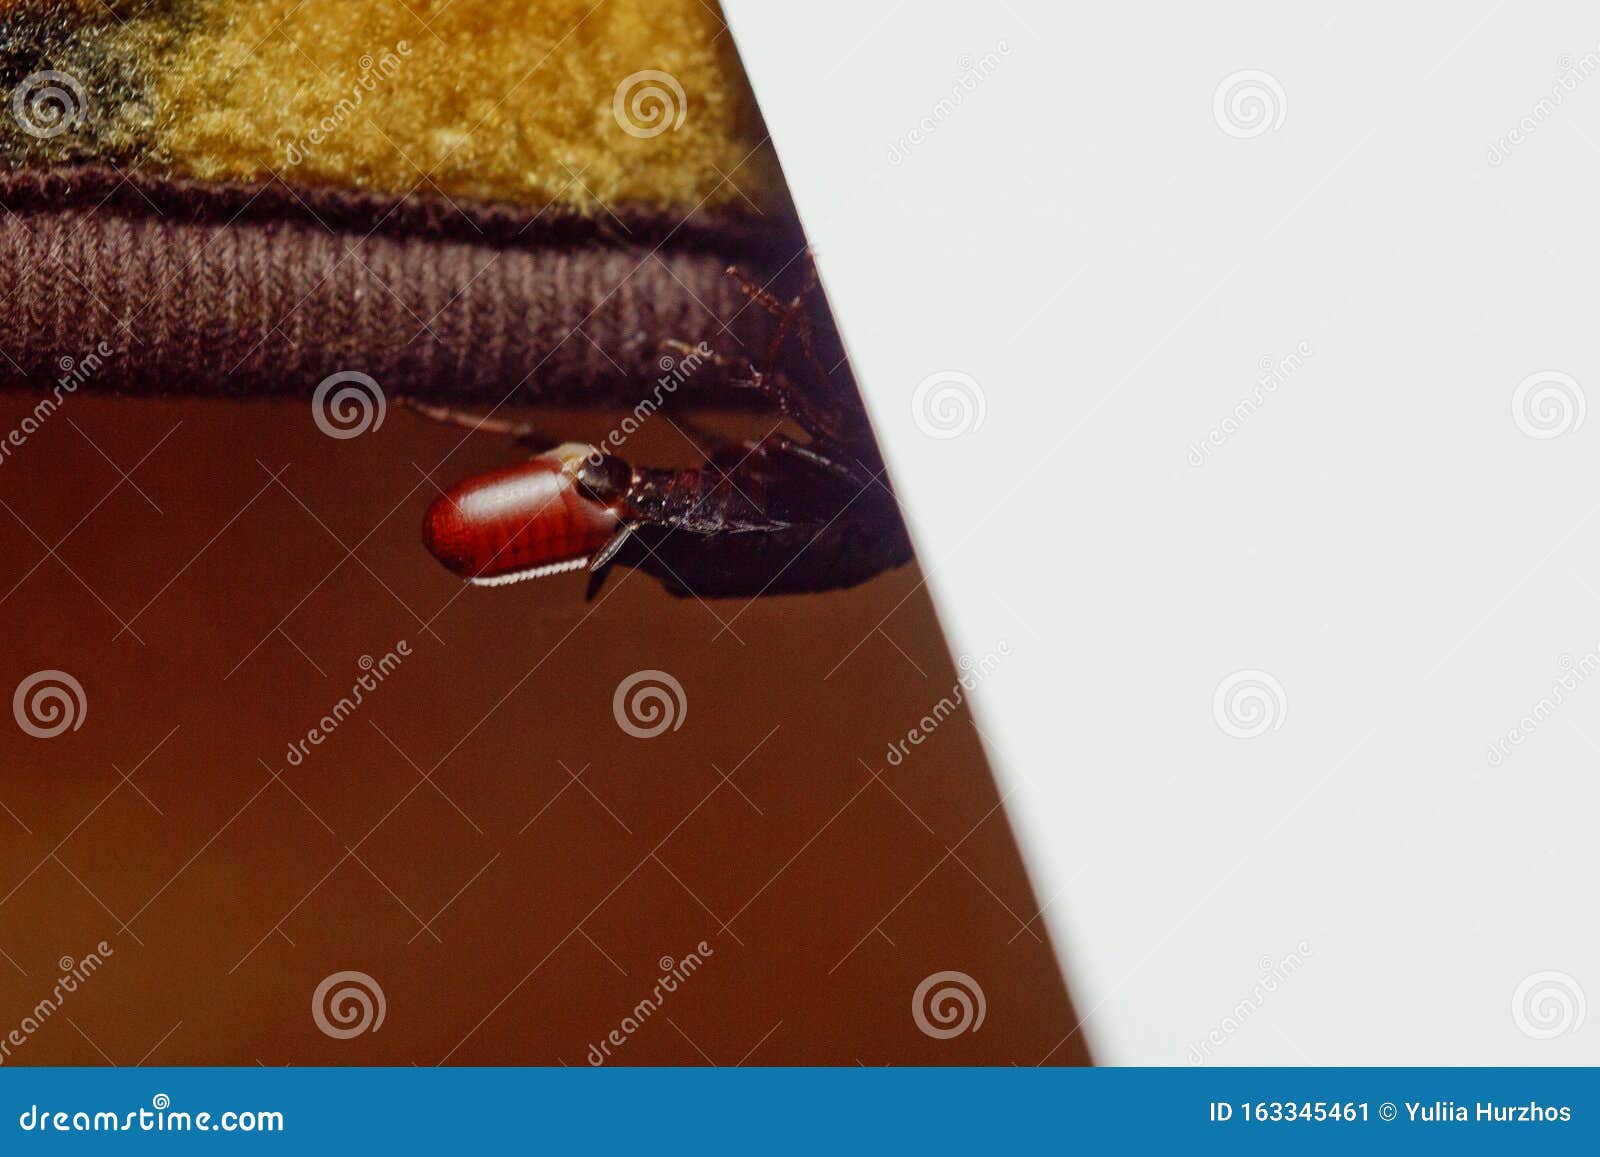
480, 836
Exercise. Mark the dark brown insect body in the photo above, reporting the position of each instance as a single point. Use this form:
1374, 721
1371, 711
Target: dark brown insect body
772, 522
773, 517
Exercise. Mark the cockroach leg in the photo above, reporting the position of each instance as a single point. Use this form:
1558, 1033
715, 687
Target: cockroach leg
792, 315
602, 557
765, 298
525, 432
600, 564
757, 293
835, 466
791, 403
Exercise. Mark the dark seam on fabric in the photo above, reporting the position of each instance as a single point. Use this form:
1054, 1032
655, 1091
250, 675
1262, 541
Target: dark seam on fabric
735, 236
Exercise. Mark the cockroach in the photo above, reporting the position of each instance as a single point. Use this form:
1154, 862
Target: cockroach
775, 516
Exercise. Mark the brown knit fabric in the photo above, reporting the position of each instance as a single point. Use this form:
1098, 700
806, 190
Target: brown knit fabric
199, 302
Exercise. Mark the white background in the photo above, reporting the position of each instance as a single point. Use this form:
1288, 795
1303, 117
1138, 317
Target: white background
1083, 236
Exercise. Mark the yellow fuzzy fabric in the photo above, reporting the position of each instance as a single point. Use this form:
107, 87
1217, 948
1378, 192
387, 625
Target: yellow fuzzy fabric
508, 100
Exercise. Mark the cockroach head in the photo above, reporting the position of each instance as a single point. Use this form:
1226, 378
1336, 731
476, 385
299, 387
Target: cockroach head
603, 477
